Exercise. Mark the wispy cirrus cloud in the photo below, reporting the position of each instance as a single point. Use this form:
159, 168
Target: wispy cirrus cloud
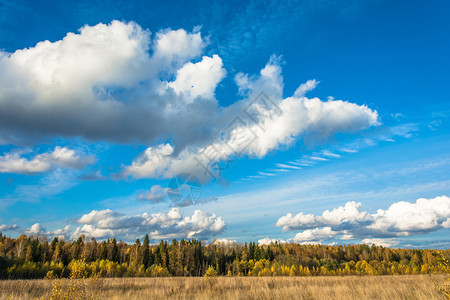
48, 186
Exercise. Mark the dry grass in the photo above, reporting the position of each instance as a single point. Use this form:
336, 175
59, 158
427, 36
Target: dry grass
351, 287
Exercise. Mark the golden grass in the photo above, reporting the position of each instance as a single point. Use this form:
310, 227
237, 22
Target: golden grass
350, 287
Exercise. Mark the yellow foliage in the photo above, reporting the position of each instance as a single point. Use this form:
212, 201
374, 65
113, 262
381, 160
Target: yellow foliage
445, 288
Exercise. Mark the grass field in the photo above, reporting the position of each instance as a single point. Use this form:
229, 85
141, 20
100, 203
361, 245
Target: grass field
350, 287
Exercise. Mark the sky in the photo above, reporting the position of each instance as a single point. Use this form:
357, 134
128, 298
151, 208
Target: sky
291, 121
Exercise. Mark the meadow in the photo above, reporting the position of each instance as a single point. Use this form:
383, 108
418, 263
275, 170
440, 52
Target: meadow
317, 287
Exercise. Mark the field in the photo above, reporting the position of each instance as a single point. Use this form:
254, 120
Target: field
350, 287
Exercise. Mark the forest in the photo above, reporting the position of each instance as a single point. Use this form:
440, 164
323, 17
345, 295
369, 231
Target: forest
29, 257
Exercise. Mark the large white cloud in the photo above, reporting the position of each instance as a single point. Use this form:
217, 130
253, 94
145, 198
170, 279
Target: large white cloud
348, 222
107, 82
104, 224
405, 218
14, 162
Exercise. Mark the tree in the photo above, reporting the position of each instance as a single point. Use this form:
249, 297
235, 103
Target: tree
113, 250
145, 252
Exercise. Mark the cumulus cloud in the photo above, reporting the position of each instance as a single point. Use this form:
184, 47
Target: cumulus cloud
171, 48
104, 224
5, 227
38, 229
199, 79
405, 218
313, 235
348, 222
381, 242
96, 216
268, 241
343, 216
108, 82
15, 162
224, 242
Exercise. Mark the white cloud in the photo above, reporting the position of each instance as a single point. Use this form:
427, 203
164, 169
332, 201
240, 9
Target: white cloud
345, 214
38, 229
5, 227
14, 162
381, 242
319, 158
268, 241
156, 194
224, 242
174, 47
299, 221
341, 216
330, 154
305, 87
153, 162
94, 82
199, 79
96, 216
269, 80
288, 166
266, 174
106, 223
446, 224
400, 219
314, 235
62, 232
405, 218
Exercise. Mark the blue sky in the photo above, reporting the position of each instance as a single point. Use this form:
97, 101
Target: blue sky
102, 104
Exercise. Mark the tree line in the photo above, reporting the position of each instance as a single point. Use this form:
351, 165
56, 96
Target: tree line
37, 257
